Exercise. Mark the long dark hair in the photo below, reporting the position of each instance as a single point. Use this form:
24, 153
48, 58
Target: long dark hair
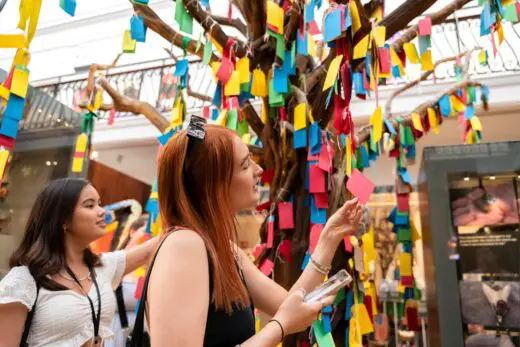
42, 248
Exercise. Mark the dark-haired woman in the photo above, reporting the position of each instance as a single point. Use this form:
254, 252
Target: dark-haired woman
55, 281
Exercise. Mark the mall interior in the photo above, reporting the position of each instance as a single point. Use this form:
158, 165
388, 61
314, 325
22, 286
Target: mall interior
407, 105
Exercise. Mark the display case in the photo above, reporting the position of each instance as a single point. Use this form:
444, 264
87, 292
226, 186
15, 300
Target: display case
468, 198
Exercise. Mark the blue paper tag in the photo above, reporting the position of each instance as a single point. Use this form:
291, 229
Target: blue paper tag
309, 12
217, 98
332, 26
280, 80
315, 139
138, 29
300, 138
14, 108
358, 83
9, 127
302, 44
445, 105
181, 68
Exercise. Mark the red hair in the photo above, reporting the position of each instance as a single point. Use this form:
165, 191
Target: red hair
199, 200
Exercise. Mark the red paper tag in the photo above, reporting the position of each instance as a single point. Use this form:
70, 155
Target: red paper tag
361, 186
206, 112
265, 206
407, 281
225, 70
325, 158
286, 250
267, 267
313, 28
317, 180
7, 142
384, 60
348, 245
267, 176
139, 288
403, 202
316, 230
285, 215
412, 319
321, 200
270, 232
259, 249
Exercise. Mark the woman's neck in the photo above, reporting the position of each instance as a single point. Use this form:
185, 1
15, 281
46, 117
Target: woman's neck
74, 256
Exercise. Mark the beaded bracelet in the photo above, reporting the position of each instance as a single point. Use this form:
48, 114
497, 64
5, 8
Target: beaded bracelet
324, 270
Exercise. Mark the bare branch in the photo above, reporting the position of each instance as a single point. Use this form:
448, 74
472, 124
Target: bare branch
425, 75
155, 23
255, 14
211, 26
404, 14
437, 18
95, 68
292, 26
252, 118
235, 23
124, 104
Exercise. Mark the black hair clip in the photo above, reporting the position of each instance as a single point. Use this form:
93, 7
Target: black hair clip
196, 134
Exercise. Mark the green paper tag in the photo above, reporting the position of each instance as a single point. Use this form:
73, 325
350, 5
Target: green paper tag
510, 13
243, 128
208, 49
410, 140
324, 339
198, 43
183, 18
404, 235
472, 95
275, 99
339, 297
232, 119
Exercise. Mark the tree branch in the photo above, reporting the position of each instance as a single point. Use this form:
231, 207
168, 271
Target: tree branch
155, 23
255, 14
252, 118
124, 104
292, 25
425, 75
211, 26
235, 23
404, 14
437, 18
95, 68
364, 132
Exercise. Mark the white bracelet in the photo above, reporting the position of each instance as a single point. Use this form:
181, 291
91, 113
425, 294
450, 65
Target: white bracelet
324, 270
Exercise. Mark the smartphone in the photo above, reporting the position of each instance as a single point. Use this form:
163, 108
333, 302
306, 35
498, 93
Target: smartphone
333, 284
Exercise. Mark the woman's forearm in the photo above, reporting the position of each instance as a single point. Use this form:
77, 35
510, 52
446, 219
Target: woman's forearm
140, 255
270, 335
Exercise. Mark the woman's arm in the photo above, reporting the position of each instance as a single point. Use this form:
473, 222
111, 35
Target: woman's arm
139, 255
178, 297
12, 321
268, 295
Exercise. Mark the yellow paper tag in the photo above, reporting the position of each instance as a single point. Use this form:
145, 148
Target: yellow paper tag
264, 113
215, 66
377, 124
22, 57
275, 16
416, 120
300, 120
475, 123
4, 157
12, 41
243, 68
81, 147
411, 53
33, 21
405, 264
177, 111
394, 57
332, 74
4, 93
362, 318
259, 87
356, 20
311, 46
232, 87
380, 35
432, 119
360, 50
500, 32
415, 233
456, 104
426, 61
128, 43
216, 44
348, 159
222, 117
246, 138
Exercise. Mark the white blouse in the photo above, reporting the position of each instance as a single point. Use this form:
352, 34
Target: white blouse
64, 318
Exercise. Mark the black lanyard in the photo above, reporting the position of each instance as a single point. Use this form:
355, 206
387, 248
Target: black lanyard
96, 319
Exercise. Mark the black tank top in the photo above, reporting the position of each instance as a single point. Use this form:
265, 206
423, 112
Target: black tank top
227, 330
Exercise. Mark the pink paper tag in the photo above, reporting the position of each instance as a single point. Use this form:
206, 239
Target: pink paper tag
267, 267
311, 157
313, 28
317, 180
325, 158
321, 200
361, 186
270, 232
286, 250
206, 112
139, 288
111, 116
425, 26
225, 70
348, 245
285, 215
259, 249
403, 204
384, 60
316, 230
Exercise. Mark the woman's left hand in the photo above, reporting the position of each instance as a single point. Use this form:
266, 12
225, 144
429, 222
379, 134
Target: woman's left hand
344, 222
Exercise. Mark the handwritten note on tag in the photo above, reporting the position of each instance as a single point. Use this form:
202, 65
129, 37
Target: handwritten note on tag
360, 185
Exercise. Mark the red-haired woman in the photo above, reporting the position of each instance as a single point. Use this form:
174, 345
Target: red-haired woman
203, 287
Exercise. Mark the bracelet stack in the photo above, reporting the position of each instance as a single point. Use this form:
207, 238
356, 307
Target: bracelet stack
324, 270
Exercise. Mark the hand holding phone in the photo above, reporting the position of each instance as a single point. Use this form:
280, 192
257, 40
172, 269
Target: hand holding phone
332, 285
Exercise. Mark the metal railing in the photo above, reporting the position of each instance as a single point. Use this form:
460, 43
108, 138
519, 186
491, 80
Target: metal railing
157, 85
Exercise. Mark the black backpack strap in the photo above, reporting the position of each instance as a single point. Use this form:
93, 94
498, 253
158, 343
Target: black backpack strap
28, 320
123, 318
139, 338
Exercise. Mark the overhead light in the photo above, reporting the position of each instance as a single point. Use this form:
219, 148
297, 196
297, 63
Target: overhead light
58, 120
55, 163
466, 179
94, 155
48, 163
492, 177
